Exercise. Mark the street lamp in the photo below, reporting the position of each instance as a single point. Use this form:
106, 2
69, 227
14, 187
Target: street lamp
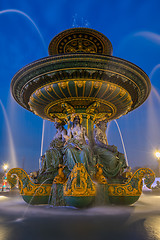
157, 154
5, 167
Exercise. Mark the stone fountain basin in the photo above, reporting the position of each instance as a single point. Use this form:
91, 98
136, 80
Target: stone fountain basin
80, 80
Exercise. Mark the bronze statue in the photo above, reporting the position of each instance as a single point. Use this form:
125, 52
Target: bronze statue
54, 156
113, 162
77, 149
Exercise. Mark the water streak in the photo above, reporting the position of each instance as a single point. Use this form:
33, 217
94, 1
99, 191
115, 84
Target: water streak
42, 142
152, 120
156, 93
12, 149
33, 197
108, 127
154, 37
122, 142
154, 70
25, 15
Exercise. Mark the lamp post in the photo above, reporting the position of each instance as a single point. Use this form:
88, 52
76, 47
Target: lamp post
157, 154
5, 167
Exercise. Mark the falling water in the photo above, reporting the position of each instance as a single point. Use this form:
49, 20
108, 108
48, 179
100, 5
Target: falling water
154, 70
33, 198
42, 141
25, 15
154, 37
156, 93
12, 151
108, 127
153, 113
122, 142
152, 121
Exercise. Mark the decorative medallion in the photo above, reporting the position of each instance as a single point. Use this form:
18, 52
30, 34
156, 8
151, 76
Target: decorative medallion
80, 40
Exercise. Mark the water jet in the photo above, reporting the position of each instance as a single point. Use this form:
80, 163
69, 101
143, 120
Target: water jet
13, 161
6, 11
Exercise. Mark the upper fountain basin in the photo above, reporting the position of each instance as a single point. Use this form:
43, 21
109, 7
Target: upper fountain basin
80, 79
80, 76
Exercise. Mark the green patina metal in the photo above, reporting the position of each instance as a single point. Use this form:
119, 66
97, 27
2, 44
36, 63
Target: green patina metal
36, 200
80, 191
123, 200
79, 202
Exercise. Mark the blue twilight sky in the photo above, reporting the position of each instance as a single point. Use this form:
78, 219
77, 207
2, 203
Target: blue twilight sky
133, 27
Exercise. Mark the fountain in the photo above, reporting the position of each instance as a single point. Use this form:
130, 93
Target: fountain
82, 85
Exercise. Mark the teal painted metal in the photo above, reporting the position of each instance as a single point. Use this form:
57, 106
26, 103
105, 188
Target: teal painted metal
123, 200
79, 202
35, 200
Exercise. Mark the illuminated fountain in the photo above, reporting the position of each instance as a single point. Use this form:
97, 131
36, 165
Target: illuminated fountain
83, 86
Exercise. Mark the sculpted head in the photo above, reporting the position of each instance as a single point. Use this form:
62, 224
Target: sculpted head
102, 123
76, 121
59, 123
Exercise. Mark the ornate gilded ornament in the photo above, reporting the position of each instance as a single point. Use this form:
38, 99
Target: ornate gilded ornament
91, 109
80, 40
56, 119
133, 187
60, 178
79, 183
80, 45
68, 108
99, 174
26, 186
101, 117
63, 85
77, 115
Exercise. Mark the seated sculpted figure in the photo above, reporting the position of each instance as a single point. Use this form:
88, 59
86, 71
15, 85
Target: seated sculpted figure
77, 149
53, 156
113, 162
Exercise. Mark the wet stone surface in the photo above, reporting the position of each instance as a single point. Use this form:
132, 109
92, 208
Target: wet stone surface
21, 221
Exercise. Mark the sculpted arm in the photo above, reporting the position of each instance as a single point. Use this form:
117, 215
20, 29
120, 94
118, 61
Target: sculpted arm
99, 141
97, 138
85, 135
64, 134
68, 135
